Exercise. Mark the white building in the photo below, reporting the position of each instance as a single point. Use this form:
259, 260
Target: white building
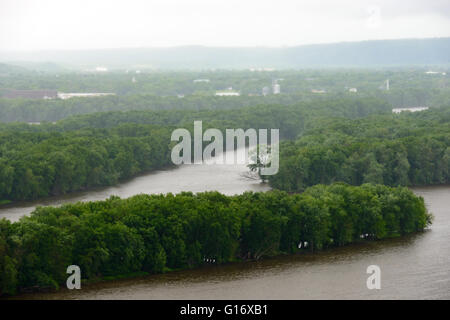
354, 90
410, 109
65, 96
101, 69
227, 93
276, 88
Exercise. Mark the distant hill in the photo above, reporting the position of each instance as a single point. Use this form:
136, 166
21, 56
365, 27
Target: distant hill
44, 66
8, 69
14, 67
346, 54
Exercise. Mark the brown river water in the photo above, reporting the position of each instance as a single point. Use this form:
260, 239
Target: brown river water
413, 267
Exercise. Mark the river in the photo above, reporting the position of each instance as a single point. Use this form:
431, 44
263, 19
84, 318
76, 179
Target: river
228, 179
413, 267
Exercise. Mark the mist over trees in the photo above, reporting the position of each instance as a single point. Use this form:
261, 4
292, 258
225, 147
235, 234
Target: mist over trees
345, 163
157, 91
365, 54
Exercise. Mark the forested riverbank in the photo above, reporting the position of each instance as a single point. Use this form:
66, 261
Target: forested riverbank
157, 233
409, 149
103, 148
355, 141
345, 162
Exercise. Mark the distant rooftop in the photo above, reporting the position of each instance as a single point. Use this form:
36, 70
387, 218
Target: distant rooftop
64, 96
227, 93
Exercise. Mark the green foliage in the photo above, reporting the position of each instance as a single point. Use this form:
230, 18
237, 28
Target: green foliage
8, 265
159, 91
101, 149
335, 136
405, 149
36, 164
155, 233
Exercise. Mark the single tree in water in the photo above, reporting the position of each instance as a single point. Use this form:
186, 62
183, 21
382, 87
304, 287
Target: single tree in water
260, 158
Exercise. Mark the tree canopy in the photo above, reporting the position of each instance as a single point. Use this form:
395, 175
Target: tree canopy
156, 233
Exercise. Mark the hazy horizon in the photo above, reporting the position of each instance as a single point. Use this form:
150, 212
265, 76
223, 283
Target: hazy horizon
214, 47
52, 25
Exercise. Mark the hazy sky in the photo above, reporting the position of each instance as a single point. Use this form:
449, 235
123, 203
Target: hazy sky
88, 24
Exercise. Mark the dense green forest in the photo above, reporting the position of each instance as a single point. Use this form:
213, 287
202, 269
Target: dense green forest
345, 162
103, 148
206, 83
405, 149
181, 91
36, 164
156, 233
350, 140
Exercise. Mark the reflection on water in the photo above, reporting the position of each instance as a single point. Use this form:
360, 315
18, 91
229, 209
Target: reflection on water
413, 267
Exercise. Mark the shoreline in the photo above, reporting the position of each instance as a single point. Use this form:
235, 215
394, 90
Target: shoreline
26, 203
128, 279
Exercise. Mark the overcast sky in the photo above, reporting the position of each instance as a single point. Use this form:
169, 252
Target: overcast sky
92, 24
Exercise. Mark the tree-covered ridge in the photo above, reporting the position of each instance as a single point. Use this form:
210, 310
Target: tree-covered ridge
405, 149
102, 148
371, 53
155, 233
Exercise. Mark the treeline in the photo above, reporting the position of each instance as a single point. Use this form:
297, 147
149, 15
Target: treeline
161, 90
103, 148
37, 163
406, 149
290, 119
157, 233
167, 83
28, 110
